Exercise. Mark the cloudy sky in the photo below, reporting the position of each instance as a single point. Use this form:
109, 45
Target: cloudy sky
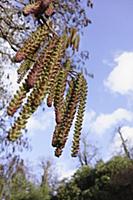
109, 40
111, 60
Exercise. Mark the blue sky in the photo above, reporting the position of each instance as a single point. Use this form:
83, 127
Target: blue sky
109, 41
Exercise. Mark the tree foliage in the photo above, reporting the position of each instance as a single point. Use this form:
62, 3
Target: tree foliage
106, 181
16, 184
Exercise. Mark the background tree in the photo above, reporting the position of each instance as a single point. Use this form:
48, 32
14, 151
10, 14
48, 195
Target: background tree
124, 144
105, 181
88, 153
16, 182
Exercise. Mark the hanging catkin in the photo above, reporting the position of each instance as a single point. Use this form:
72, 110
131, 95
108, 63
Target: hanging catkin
17, 100
69, 113
25, 66
39, 65
79, 118
57, 135
32, 44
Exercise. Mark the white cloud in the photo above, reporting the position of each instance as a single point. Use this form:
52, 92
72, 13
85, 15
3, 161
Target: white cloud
41, 121
105, 121
88, 118
120, 79
64, 171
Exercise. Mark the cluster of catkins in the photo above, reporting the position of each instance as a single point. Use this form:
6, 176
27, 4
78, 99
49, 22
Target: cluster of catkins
45, 72
40, 7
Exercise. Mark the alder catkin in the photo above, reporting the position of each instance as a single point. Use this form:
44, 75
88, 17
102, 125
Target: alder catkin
69, 114
17, 100
79, 118
33, 43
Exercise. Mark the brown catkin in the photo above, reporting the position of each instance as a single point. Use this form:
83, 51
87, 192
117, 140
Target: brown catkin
38, 8
39, 65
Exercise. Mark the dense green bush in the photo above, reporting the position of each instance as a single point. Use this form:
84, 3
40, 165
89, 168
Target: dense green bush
112, 180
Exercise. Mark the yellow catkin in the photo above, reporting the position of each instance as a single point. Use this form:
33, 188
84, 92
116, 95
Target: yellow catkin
32, 44
17, 100
57, 136
69, 115
25, 66
79, 118
59, 94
